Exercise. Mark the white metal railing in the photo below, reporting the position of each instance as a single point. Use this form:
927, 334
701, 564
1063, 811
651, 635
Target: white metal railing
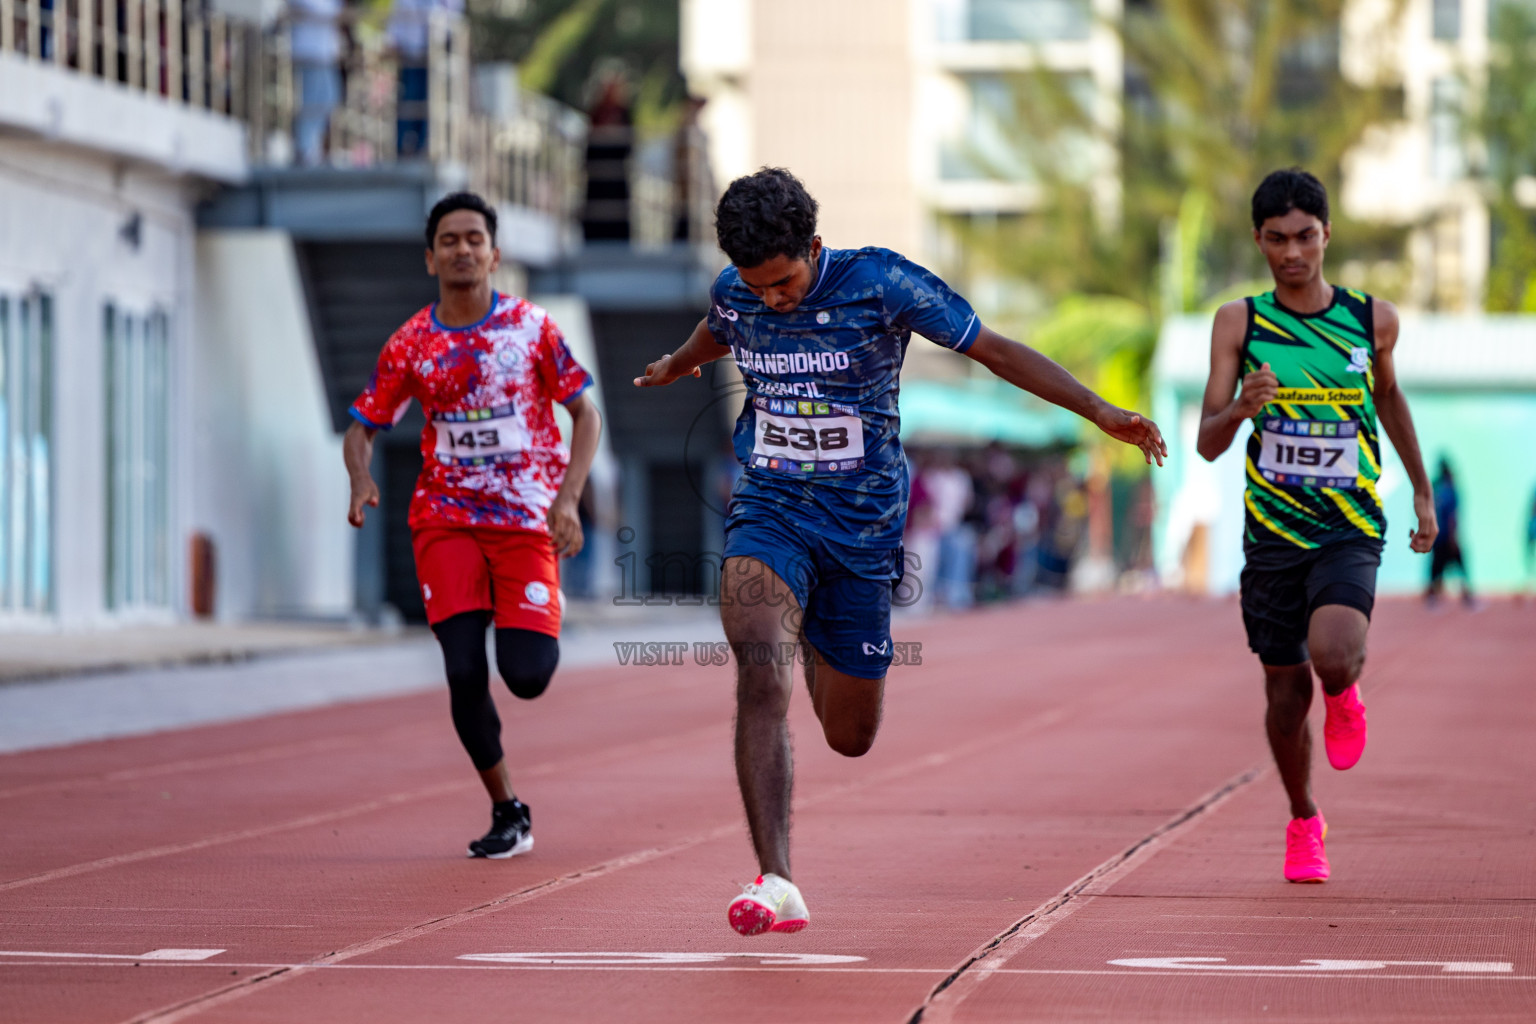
181, 50
530, 156
187, 52
671, 195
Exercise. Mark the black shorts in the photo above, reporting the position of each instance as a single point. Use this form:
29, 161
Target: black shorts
1283, 586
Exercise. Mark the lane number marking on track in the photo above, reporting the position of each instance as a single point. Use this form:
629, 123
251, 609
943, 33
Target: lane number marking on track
626, 959
1217, 963
154, 954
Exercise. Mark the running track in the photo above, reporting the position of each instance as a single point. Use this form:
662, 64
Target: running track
1057, 788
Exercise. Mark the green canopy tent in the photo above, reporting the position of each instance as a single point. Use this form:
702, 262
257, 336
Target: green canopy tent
979, 411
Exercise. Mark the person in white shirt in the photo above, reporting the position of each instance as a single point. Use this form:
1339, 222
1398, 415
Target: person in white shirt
315, 46
410, 26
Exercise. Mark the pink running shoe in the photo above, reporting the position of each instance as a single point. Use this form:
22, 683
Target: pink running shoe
770, 904
1305, 860
1344, 728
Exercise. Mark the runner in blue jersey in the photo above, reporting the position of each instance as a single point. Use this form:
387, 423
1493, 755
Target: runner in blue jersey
813, 538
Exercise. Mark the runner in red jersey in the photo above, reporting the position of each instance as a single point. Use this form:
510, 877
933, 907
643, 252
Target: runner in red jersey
495, 505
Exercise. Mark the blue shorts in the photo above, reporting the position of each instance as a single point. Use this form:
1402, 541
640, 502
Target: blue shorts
847, 613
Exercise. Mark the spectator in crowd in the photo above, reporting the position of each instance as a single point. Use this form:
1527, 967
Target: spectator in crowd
694, 190
315, 47
610, 141
1530, 542
1065, 526
922, 537
1447, 551
951, 493
993, 476
1030, 498
410, 32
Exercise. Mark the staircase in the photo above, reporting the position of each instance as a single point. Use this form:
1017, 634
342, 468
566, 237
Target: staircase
358, 294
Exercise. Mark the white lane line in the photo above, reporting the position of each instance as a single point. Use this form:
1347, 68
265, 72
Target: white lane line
238, 990
154, 954
326, 745
1219, 963
1205, 979
941, 1004
243, 835
326, 817
322, 745
633, 959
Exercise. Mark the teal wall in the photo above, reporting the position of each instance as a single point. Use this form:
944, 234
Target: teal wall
1488, 435
1490, 439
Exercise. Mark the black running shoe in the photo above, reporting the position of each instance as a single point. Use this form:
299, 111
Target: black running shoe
510, 832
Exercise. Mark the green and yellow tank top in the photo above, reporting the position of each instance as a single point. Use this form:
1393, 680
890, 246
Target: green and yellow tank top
1314, 457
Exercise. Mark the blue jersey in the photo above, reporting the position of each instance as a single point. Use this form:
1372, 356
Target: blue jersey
818, 434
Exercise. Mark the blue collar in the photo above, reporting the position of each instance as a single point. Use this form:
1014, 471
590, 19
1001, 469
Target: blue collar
495, 301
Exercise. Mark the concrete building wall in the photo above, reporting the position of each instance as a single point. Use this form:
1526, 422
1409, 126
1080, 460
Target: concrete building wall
67, 219
1471, 387
98, 187
269, 486
1414, 171
835, 105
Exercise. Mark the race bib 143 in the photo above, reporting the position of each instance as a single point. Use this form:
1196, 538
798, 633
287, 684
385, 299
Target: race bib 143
792, 436
1310, 453
479, 436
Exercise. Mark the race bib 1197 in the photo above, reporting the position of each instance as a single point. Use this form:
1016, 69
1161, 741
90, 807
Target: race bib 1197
1310, 453
791, 436
479, 436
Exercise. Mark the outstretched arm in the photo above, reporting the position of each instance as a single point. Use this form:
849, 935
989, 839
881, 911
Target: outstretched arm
1392, 408
563, 518
1030, 371
1221, 414
357, 452
700, 348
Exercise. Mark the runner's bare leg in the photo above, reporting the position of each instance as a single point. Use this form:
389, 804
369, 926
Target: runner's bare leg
761, 615
848, 707
1336, 638
1289, 692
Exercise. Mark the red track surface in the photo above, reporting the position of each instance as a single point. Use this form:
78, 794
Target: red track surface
1022, 769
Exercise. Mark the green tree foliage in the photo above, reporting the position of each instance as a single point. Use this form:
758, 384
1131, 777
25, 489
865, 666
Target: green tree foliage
1218, 94
562, 47
1506, 124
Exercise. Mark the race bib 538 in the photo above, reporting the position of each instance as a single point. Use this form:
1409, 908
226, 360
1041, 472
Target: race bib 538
1310, 453
791, 436
480, 435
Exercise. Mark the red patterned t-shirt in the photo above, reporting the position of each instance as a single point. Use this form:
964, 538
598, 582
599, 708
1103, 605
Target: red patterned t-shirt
491, 450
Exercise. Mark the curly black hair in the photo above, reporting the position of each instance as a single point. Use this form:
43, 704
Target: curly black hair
1287, 190
764, 215
460, 201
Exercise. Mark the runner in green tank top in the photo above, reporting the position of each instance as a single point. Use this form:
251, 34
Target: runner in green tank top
1313, 456
1315, 364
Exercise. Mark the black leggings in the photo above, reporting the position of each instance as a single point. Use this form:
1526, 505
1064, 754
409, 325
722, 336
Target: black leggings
526, 660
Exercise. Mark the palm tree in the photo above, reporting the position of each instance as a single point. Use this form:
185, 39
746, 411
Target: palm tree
1217, 94
1506, 126
561, 46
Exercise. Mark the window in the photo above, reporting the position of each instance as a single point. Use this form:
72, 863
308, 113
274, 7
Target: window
138, 456
995, 144
1308, 69
1028, 21
1447, 19
1447, 162
26, 451
1496, 9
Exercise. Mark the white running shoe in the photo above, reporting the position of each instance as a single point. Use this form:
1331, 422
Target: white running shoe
770, 904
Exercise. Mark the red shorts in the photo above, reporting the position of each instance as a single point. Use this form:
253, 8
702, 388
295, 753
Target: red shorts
513, 573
